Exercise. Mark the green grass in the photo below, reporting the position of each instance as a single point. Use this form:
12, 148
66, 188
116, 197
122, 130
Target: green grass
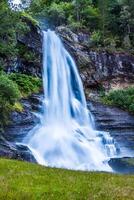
26, 181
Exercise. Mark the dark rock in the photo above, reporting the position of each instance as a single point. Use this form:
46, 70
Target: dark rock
21, 124
33, 38
119, 123
36, 102
32, 41
98, 68
122, 165
12, 151
113, 70
74, 45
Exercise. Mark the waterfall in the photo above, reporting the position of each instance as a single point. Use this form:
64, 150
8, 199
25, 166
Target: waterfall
65, 137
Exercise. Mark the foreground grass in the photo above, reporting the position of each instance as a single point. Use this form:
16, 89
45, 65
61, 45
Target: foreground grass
25, 181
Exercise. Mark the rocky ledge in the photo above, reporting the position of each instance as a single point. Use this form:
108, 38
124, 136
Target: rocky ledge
98, 68
118, 123
21, 124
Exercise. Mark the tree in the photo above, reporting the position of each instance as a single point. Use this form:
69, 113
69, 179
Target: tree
103, 8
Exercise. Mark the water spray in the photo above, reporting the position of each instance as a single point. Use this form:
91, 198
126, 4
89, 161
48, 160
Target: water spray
19, 5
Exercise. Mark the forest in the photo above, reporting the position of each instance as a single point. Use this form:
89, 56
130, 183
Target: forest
66, 99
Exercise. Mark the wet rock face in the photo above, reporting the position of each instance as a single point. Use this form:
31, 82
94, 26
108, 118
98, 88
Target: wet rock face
118, 123
21, 124
122, 165
97, 68
33, 38
77, 45
113, 70
110, 70
13, 151
120, 126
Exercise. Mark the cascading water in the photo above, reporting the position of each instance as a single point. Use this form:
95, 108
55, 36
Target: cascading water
65, 137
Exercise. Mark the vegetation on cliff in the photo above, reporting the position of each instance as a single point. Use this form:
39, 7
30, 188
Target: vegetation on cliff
123, 98
26, 84
20, 180
109, 24
9, 95
12, 88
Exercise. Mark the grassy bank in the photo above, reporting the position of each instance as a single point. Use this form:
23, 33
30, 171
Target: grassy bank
20, 180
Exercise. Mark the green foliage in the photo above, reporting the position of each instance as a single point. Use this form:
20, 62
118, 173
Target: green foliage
122, 98
23, 180
12, 88
74, 25
96, 37
26, 84
91, 17
11, 24
57, 13
27, 54
9, 95
29, 18
113, 20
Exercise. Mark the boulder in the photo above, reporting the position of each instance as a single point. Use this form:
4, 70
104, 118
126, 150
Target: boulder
122, 165
13, 151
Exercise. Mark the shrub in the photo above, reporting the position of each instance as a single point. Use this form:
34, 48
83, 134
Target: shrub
28, 17
96, 37
27, 84
9, 94
122, 98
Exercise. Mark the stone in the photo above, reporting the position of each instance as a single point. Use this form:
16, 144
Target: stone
122, 165
98, 68
21, 124
119, 123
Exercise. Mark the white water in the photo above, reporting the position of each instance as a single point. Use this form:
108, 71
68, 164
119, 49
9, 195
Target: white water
65, 137
19, 5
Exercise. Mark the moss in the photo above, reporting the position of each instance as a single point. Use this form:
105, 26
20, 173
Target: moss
18, 107
28, 17
21, 180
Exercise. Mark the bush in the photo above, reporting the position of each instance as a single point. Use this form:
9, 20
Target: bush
27, 84
122, 98
96, 37
9, 94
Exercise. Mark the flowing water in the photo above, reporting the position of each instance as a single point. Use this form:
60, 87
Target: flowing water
65, 136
